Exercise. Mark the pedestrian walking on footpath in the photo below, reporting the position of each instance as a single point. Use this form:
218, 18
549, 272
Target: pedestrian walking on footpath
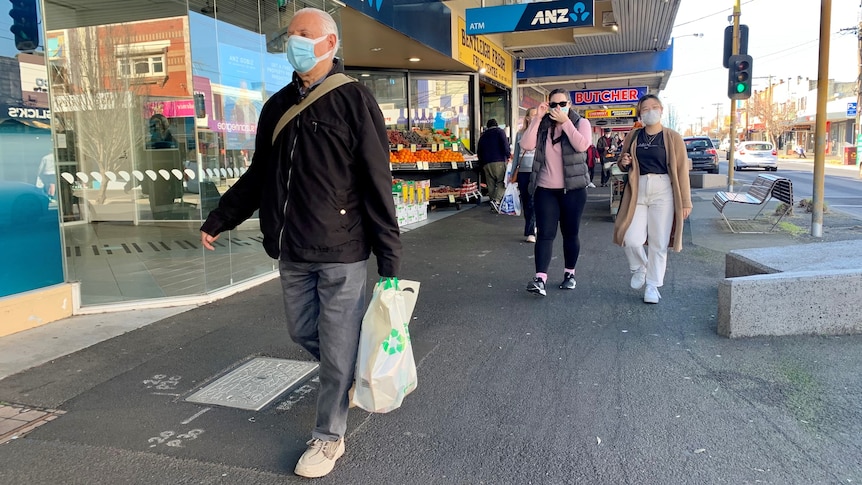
592, 160
323, 188
522, 167
558, 183
603, 145
656, 199
494, 153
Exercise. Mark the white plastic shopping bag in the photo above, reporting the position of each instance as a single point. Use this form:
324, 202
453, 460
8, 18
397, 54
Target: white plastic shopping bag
385, 368
511, 202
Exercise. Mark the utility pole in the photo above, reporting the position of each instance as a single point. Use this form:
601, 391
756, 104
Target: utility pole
717, 120
733, 134
820, 130
770, 114
859, 85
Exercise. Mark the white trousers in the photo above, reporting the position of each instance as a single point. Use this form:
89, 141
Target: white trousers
652, 222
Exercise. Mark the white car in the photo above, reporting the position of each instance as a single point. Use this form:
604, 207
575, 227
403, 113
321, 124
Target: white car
755, 154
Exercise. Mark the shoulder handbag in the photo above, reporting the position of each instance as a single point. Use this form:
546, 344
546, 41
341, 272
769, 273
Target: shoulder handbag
330, 83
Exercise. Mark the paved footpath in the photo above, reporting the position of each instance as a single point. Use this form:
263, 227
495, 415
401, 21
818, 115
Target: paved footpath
586, 386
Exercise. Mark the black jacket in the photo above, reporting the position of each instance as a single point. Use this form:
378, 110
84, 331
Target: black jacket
324, 189
493, 146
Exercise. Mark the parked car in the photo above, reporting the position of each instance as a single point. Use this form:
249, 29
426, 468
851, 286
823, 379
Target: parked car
755, 154
725, 144
716, 143
702, 154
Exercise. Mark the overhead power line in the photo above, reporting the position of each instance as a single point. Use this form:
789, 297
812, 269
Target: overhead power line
759, 57
721, 12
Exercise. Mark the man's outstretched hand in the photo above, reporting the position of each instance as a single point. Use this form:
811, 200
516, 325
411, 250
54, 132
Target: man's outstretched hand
208, 240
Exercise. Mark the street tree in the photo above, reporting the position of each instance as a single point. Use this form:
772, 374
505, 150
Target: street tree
775, 117
99, 102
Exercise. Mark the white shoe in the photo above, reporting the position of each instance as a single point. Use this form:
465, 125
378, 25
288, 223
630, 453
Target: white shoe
591, 186
651, 294
531, 238
319, 459
638, 278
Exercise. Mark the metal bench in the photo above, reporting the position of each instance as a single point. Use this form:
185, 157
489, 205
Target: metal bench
764, 188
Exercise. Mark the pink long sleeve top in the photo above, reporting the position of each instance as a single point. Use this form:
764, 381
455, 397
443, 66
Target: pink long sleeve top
580, 137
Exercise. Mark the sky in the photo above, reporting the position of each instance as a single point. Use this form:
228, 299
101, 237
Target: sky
783, 41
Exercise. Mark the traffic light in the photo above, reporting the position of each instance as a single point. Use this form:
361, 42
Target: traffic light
25, 24
739, 77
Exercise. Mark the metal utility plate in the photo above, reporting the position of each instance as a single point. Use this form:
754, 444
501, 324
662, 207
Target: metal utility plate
255, 384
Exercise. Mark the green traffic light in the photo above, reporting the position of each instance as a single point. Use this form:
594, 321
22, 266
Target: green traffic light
740, 87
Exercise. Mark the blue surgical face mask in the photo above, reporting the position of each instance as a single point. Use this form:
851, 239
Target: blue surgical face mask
564, 110
300, 53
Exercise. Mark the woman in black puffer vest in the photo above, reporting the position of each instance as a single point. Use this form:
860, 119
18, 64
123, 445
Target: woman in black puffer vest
558, 183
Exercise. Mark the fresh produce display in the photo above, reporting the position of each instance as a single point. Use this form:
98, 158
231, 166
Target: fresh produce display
406, 156
421, 137
396, 138
403, 156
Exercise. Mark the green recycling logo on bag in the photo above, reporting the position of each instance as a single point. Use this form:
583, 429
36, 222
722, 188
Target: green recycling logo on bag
395, 343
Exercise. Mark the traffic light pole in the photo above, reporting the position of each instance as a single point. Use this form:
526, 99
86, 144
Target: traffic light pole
732, 148
859, 94
820, 125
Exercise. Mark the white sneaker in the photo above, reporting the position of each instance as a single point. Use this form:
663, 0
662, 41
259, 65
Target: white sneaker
651, 294
319, 459
531, 238
591, 186
638, 278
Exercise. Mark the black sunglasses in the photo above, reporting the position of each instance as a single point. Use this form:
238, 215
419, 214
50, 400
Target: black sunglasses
554, 104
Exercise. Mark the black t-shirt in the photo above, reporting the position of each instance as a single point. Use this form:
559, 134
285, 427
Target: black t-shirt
652, 157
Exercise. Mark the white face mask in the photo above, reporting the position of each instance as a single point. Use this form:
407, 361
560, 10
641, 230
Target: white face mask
651, 117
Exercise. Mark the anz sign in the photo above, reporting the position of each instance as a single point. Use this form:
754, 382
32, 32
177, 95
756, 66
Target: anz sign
530, 16
374, 3
555, 17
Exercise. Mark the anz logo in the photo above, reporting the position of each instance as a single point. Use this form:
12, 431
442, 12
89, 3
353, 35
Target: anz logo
560, 15
374, 3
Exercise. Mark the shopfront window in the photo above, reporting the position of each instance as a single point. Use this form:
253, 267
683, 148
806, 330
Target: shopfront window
440, 108
155, 114
30, 254
390, 91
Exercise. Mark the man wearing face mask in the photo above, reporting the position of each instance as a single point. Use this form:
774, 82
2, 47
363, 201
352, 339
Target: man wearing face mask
324, 193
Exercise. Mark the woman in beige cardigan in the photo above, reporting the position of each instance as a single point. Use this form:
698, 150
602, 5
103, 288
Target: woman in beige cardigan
656, 199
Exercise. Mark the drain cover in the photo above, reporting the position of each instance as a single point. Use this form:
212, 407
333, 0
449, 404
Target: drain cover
255, 384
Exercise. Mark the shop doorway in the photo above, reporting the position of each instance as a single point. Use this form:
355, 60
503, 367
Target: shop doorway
496, 104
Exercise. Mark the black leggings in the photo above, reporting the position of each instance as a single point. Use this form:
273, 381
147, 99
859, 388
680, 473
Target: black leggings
553, 207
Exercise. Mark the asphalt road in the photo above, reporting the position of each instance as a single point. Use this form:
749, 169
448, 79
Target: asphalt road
842, 185
587, 386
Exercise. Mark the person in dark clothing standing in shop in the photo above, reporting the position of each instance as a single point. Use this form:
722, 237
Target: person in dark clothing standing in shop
493, 151
324, 193
603, 145
558, 184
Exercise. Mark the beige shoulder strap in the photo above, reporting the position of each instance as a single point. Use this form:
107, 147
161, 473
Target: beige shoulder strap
328, 84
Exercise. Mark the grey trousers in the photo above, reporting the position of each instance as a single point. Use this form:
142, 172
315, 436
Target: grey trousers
324, 304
